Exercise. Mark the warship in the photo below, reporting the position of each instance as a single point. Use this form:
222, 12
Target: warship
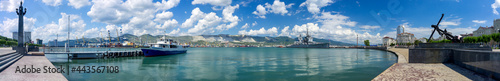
307, 42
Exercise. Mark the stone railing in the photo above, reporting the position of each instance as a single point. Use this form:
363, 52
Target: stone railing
439, 52
483, 62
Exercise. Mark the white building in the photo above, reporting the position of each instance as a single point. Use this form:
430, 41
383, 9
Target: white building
484, 31
423, 40
400, 29
488, 30
387, 41
405, 38
27, 36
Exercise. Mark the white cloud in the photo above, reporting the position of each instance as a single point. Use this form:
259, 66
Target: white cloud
285, 32
261, 31
254, 23
245, 3
168, 24
205, 22
117, 12
332, 27
165, 5
334, 20
11, 25
209, 22
229, 17
50, 31
135, 17
164, 16
213, 2
479, 21
369, 27
451, 22
245, 26
277, 7
77, 4
196, 14
52, 2
174, 32
495, 6
313, 6
261, 11
9, 5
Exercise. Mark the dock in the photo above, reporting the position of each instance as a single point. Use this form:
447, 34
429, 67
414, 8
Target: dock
100, 54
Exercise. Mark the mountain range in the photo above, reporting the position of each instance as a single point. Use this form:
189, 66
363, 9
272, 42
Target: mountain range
221, 38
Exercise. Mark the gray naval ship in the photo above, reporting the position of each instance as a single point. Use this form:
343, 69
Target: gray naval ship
307, 42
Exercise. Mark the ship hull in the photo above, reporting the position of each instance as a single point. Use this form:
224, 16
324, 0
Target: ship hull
151, 52
323, 45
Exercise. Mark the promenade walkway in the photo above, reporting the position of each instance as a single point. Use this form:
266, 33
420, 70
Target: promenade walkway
404, 71
402, 54
6, 51
37, 62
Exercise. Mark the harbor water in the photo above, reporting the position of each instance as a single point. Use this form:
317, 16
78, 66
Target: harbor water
240, 64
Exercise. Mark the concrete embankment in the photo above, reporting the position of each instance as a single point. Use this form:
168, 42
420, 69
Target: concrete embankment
404, 71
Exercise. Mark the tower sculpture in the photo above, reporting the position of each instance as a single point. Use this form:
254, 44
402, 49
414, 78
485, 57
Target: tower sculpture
20, 39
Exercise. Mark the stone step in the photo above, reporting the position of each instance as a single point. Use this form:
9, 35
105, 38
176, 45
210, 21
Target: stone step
6, 56
6, 63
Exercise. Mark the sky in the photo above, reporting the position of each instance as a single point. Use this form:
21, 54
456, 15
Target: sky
339, 20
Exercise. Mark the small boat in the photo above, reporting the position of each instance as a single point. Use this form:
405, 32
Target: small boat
163, 47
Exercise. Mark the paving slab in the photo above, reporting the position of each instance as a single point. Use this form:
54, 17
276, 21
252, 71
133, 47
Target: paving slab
402, 54
6, 51
10, 74
429, 72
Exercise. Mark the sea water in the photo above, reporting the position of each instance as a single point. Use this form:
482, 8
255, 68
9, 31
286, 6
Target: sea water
240, 64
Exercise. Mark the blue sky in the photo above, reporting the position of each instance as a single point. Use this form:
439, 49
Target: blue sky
339, 20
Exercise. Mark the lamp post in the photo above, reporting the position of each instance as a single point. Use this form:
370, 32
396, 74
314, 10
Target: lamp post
20, 39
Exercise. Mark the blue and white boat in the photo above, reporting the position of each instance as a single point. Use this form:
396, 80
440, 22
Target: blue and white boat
164, 47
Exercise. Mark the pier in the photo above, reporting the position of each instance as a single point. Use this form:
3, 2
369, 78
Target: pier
99, 54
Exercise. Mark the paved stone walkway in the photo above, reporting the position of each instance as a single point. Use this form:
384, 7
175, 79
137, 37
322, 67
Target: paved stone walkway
402, 54
37, 62
6, 51
429, 72
404, 71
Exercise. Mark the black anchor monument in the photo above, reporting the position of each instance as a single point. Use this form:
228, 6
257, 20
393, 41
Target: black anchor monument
447, 35
20, 39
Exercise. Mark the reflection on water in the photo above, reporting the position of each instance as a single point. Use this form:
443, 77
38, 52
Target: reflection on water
241, 64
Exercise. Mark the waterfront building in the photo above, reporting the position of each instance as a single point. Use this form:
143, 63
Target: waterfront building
27, 36
400, 28
405, 38
467, 35
39, 41
387, 41
423, 40
486, 30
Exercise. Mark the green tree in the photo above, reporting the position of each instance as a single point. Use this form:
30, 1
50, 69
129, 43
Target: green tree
417, 41
2, 42
392, 44
367, 42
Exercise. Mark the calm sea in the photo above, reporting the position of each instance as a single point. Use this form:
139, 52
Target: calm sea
240, 64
